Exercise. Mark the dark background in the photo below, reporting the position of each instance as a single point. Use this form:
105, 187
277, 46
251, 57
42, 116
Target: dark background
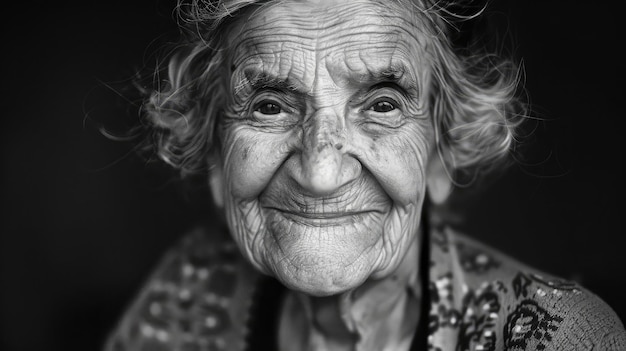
83, 219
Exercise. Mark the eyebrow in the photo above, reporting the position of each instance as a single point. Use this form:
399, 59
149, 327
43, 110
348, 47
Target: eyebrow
262, 80
257, 80
394, 74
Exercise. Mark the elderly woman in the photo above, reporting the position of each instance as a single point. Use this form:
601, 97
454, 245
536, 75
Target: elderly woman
325, 129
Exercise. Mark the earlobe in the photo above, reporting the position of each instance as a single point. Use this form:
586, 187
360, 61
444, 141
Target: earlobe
216, 180
438, 180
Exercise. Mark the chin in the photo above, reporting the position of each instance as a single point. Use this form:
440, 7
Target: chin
320, 275
318, 283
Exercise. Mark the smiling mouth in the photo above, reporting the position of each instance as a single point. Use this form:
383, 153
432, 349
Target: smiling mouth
324, 218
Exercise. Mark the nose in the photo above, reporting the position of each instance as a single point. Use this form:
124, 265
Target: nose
325, 163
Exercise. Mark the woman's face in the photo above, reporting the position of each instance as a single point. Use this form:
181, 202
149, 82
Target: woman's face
325, 141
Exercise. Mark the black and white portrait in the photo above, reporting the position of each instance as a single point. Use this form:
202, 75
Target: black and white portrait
312, 175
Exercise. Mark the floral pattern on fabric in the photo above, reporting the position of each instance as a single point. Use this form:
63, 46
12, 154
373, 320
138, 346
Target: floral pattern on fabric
480, 313
502, 305
197, 300
529, 321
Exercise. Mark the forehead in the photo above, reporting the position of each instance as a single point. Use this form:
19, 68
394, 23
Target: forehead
351, 40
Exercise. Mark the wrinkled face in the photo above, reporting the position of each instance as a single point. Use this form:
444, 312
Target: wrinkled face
324, 141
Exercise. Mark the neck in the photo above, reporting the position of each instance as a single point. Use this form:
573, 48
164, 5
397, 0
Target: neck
380, 314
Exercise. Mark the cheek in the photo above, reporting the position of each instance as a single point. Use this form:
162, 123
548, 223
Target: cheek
251, 160
398, 162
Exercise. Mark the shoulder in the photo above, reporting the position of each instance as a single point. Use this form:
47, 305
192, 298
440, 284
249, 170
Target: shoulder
198, 294
520, 307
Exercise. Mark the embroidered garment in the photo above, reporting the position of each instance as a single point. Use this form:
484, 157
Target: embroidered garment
204, 296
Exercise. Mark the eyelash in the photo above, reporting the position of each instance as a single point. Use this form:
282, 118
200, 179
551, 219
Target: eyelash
270, 97
268, 110
265, 103
383, 93
384, 100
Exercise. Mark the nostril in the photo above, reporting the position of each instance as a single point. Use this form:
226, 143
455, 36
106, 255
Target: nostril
338, 146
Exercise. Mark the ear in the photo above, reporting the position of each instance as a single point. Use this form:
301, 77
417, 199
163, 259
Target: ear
216, 179
438, 181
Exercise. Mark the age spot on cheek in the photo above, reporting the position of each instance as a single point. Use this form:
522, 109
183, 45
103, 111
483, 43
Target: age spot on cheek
244, 154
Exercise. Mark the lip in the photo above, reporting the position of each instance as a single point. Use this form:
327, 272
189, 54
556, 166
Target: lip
324, 218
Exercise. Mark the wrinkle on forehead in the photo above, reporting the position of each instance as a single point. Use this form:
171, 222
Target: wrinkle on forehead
354, 40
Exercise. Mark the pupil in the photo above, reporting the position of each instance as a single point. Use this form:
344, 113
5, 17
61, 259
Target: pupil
269, 109
383, 106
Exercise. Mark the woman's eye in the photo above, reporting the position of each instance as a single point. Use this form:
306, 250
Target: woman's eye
382, 107
269, 108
